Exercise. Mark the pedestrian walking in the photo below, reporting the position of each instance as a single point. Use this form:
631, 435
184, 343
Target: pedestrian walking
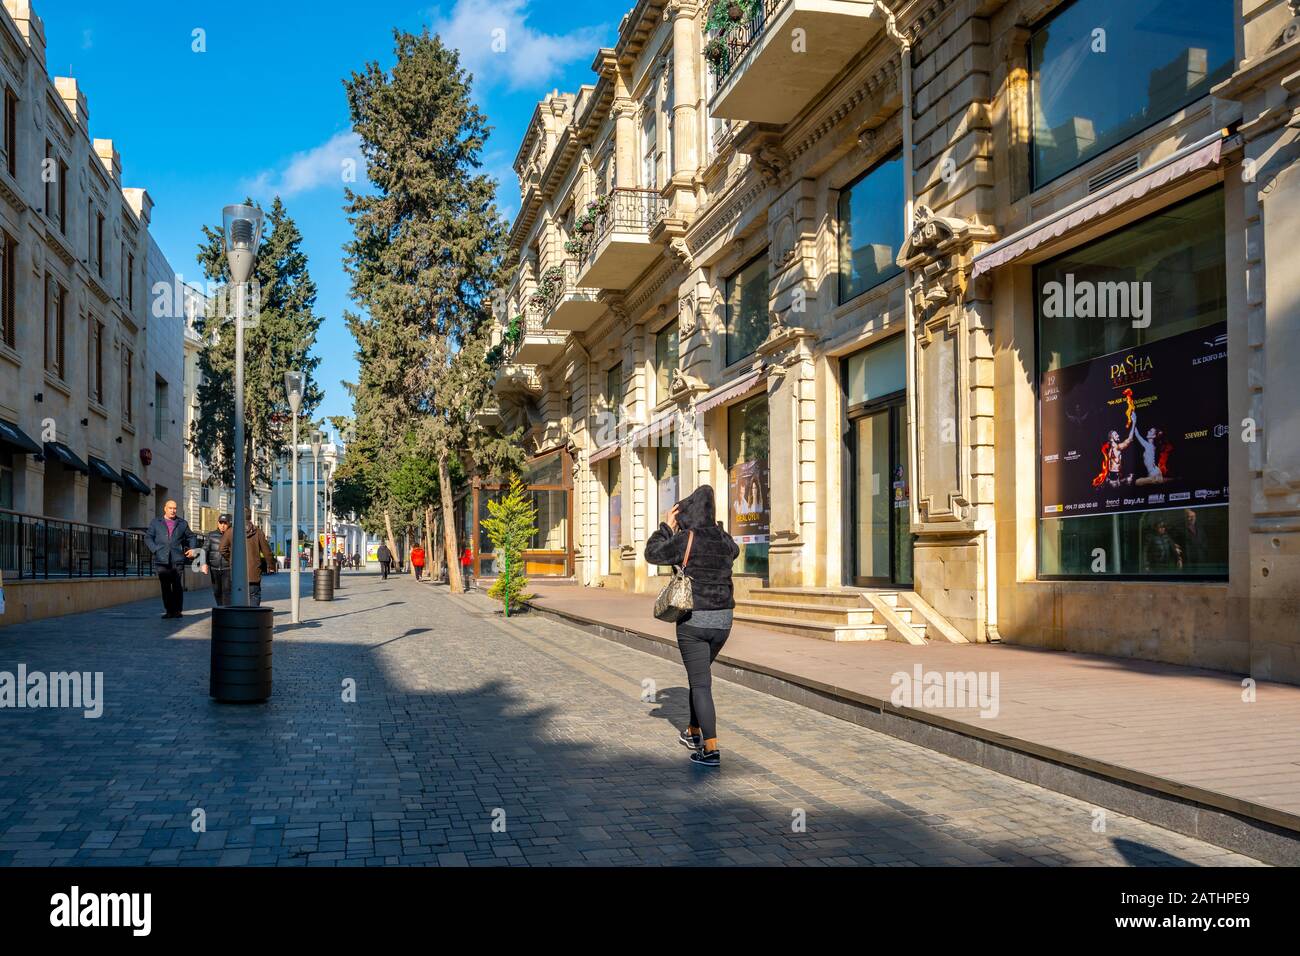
258, 550
693, 539
356, 561
218, 567
417, 562
171, 542
385, 558
467, 568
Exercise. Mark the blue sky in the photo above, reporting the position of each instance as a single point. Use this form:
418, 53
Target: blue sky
167, 111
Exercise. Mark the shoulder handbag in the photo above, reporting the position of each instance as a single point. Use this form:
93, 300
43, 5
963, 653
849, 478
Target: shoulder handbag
677, 599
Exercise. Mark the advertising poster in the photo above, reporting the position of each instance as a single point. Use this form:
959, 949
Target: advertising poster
372, 553
615, 522
751, 512
1137, 430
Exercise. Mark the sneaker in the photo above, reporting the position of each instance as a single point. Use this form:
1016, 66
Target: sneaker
691, 741
711, 758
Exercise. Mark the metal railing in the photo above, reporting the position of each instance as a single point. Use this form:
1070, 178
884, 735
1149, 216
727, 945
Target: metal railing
741, 36
626, 209
37, 547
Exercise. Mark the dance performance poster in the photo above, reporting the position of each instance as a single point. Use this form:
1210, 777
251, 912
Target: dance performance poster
1137, 430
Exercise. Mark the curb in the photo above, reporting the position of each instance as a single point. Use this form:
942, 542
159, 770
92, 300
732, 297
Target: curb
1264, 833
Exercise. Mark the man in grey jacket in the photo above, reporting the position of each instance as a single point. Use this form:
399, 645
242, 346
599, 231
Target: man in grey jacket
170, 541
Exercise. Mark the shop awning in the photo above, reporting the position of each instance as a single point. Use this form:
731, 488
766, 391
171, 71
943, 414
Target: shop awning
101, 469
747, 383
132, 483
13, 438
1202, 154
65, 456
666, 421
609, 451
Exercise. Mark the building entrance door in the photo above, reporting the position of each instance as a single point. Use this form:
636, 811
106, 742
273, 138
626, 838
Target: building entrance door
880, 493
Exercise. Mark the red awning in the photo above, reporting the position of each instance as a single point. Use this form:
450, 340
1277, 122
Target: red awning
747, 383
1202, 154
609, 451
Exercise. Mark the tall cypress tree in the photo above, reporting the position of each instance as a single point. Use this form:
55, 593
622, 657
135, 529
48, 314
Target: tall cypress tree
426, 255
279, 338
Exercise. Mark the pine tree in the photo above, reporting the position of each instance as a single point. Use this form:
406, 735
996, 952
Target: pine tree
426, 255
510, 526
279, 339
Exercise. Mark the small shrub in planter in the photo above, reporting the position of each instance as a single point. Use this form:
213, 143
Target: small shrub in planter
715, 51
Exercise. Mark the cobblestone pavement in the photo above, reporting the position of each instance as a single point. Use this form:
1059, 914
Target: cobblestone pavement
463, 720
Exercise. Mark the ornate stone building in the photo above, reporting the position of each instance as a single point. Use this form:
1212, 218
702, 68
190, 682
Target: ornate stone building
973, 313
90, 397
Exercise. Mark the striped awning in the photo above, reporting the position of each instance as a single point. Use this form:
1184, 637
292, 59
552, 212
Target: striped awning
609, 451
1202, 154
749, 382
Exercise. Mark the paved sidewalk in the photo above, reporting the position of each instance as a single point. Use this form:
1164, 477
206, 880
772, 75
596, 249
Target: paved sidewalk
472, 740
1178, 730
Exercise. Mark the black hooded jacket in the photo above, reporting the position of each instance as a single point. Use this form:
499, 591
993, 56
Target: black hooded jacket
712, 553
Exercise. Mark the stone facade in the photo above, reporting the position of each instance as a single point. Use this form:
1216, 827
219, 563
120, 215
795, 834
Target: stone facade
650, 197
79, 357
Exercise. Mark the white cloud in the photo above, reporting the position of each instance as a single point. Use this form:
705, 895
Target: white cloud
499, 47
336, 162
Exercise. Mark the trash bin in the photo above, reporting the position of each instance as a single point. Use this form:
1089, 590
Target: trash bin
241, 654
322, 584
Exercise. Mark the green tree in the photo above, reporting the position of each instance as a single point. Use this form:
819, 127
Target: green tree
510, 526
426, 254
279, 338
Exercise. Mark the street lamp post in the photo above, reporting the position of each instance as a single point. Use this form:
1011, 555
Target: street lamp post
242, 231
240, 659
315, 510
293, 387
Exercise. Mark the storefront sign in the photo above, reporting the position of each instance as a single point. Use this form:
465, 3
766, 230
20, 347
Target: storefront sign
1137, 430
751, 512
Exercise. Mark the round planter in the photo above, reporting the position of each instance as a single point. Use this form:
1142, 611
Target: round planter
322, 584
240, 670
735, 13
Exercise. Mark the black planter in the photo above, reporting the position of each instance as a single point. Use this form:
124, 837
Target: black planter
322, 584
241, 655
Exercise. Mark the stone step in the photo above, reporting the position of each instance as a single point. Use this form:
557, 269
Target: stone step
825, 613
824, 596
815, 629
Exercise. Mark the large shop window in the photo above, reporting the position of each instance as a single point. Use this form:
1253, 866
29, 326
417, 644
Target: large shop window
1133, 401
870, 215
1103, 70
614, 518
749, 509
547, 551
747, 322
667, 484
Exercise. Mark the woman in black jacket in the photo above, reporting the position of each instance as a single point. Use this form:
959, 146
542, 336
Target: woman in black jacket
692, 523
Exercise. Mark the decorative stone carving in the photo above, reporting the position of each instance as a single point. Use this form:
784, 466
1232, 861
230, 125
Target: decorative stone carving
937, 252
686, 317
1290, 30
772, 162
783, 245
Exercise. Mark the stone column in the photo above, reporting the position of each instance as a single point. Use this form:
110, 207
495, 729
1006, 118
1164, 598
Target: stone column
791, 410
625, 159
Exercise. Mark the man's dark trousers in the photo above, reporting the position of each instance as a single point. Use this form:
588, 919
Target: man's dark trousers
383, 570
220, 587
172, 591
254, 593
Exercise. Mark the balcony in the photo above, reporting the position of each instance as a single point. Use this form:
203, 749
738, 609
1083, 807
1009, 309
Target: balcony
536, 344
516, 379
618, 248
570, 307
762, 75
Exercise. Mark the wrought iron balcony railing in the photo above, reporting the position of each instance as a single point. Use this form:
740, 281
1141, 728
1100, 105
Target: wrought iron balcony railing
622, 209
727, 48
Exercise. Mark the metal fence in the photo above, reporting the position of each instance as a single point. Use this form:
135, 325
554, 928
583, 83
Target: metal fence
626, 210
35, 547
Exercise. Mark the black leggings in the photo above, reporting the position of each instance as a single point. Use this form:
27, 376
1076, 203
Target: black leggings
699, 646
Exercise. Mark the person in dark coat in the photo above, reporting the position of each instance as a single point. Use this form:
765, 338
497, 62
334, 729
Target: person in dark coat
258, 550
171, 542
385, 558
218, 567
692, 524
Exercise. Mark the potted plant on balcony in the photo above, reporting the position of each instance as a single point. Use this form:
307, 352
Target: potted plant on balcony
575, 246
725, 17
550, 282
514, 332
